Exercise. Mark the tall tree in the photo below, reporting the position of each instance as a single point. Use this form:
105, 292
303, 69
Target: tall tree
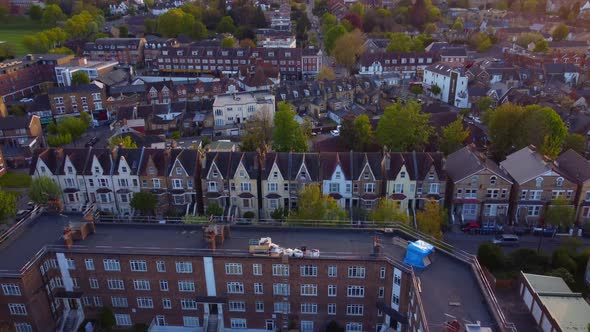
52, 14
328, 21
560, 32
7, 205
545, 129
44, 190
431, 220
175, 22
404, 128
36, 12
257, 133
388, 211
122, 141
326, 74
226, 25
453, 137
357, 133
504, 126
228, 42
288, 134
332, 35
348, 48
312, 206
560, 213
144, 202
80, 78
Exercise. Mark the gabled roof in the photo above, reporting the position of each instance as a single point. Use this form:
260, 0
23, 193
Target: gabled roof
132, 156
105, 159
78, 158
330, 160
574, 166
51, 158
188, 158
249, 160
466, 162
160, 158
525, 164
221, 161
372, 159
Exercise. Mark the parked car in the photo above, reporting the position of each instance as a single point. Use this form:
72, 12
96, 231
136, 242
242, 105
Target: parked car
91, 142
26, 100
336, 132
21, 214
506, 240
31, 206
546, 232
471, 226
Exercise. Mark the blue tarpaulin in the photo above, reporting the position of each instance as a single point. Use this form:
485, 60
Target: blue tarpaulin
417, 252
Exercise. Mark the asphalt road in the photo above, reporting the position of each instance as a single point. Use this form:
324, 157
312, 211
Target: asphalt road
470, 242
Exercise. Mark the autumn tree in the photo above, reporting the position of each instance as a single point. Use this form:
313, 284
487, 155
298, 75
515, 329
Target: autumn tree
52, 14
257, 133
312, 206
404, 127
453, 136
458, 25
560, 213
431, 219
247, 43
348, 48
388, 211
358, 133
541, 46
228, 42
326, 74
288, 135
560, 32
44, 190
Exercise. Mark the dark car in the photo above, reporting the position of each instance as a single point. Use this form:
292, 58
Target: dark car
91, 142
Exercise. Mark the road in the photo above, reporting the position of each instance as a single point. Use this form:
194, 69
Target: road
103, 133
471, 242
315, 27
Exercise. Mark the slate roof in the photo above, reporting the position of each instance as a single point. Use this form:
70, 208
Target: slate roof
74, 88
466, 161
574, 166
187, 157
132, 156
160, 158
454, 51
524, 165
15, 122
105, 159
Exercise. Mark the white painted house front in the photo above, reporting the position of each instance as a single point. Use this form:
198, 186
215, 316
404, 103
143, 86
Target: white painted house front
233, 109
338, 187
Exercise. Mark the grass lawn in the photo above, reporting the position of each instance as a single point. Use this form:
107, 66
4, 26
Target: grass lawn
15, 180
14, 29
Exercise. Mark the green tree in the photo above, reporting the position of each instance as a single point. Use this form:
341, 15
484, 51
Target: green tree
505, 127
458, 25
312, 205
80, 78
122, 141
357, 8
332, 35
7, 51
431, 219
226, 25
327, 22
36, 13
545, 129
453, 136
541, 46
214, 210
83, 25
288, 134
560, 32
52, 14
481, 41
560, 213
59, 140
575, 142
44, 190
490, 256
357, 133
175, 22
404, 128
484, 104
61, 50
123, 31
525, 38
228, 42
388, 211
257, 133
326, 74
416, 89
348, 48
7, 205
399, 43
144, 202
430, 28
435, 89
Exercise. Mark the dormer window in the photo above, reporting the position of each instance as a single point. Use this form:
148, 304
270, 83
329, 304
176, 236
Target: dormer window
402, 175
214, 174
366, 175
474, 180
152, 171
275, 174
431, 176
96, 169
493, 180
43, 169
303, 175
338, 175
178, 170
539, 182
242, 175
559, 182
123, 169
70, 170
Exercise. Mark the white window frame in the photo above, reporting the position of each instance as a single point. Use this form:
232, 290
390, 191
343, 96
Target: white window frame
356, 272
309, 290
111, 265
138, 265
184, 267
233, 269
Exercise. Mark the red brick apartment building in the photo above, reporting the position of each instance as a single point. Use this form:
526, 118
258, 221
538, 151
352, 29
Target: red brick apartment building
167, 276
21, 77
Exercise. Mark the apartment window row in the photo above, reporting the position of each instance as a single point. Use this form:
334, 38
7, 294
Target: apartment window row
139, 266
11, 289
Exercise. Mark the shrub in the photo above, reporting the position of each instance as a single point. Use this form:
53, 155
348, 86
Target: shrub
249, 215
106, 318
214, 209
528, 260
564, 274
278, 214
561, 258
490, 256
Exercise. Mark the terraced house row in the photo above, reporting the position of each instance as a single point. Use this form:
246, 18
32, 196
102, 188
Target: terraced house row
474, 187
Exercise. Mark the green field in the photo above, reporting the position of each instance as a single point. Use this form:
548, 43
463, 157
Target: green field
15, 29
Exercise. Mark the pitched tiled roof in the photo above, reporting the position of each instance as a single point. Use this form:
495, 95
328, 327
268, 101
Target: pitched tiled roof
574, 166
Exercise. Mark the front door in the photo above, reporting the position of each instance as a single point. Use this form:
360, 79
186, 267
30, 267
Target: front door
73, 304
213, 308
270, 325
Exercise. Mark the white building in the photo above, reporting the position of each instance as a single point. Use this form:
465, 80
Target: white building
93, 69
452, 81
233, 109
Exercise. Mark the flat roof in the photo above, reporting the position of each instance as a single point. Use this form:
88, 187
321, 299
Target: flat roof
448, 286
547, 284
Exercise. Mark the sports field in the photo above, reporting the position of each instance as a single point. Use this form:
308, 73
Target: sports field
14, 29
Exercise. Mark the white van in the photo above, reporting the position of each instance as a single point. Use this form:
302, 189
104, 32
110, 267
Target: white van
506, 240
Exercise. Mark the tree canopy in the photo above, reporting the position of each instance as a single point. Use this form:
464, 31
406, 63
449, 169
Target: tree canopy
228, 42
288, 135
404, 127
257, 133
348, 48
575, 142
226, 25
80, 78
541, 46
7, 205
431, 220
144, 202
402, 43
44, 190
326, 74
312, 205
332, 35
122, 141
358, 133
453, 136
560, 213
388, 211
560, 32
